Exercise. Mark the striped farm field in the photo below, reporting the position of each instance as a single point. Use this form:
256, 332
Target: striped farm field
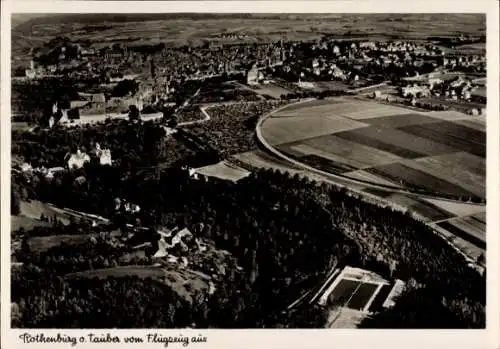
481, 217
430, 211
471, 226
396, 141
311, 110
370, 177
284, 130
452, 115
352, 151
453, 135
458, 208
478, 124
290, 110
476, 239
400, 120
440, 154
419, 180
467, 170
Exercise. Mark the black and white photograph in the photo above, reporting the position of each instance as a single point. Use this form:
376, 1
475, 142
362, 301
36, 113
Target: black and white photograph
247, 170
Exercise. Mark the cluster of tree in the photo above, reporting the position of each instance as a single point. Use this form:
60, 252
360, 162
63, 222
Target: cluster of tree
225, 95
231, 128
132, 144
33, 101
190, 113
128, 302
393, 72
92, 254
313, 94
426, 105
125, 87
265, 221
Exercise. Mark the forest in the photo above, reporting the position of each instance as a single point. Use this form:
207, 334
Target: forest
265, 222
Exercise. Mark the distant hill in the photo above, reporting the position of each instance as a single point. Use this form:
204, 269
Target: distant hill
34, 30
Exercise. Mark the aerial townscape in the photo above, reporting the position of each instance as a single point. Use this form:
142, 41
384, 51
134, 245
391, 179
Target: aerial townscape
248, 171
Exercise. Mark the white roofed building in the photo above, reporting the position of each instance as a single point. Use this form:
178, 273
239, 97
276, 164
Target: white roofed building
77, 160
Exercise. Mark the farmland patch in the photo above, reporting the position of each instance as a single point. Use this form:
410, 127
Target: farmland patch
479, 242
324, 164
419, 180
34, 209
370, 111
481, 217
377, 192
369, 177
452, 115
285, 130
471, 226
430, 211
453, 135
458, 208
271, 90
476, 124
261, 159
38, 244
403, 201
367, 156
361, 138
465, 170
27, 223
399, 120
398, 139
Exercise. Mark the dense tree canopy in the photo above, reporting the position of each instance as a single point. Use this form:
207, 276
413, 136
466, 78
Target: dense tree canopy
265, 222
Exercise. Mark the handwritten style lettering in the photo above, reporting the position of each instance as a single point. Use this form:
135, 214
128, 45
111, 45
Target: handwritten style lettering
157, 338
42, 338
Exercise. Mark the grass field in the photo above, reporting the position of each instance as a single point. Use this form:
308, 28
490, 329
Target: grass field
272, 90
34, 209
40, 244
223, 170
27, 223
